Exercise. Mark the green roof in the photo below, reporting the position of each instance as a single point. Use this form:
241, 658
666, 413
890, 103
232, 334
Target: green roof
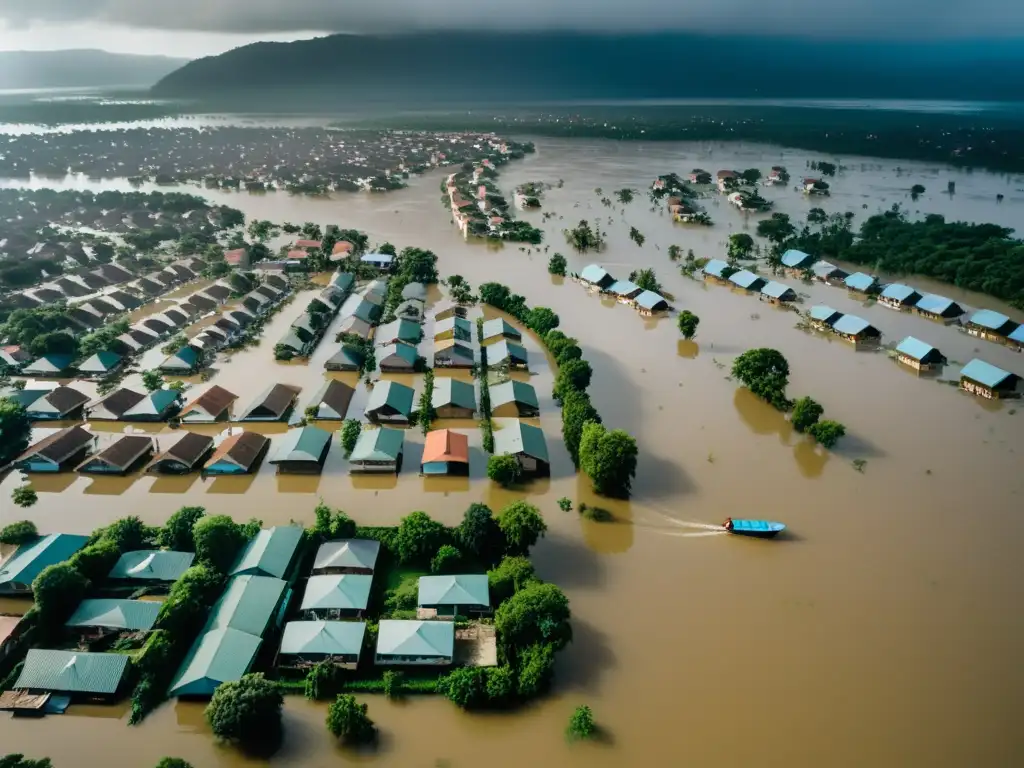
343, 281
247, 604
505, 350
461, 328
403, 351
269, 553
499, 327
216, 657
347, 553
345, 591
416, 638
398, 396
72, 671
301, 444
29, 559
155, 403
134, 615
101, 362
400, 330
521, 438
513, 392
448, 391
378, 445
152, 565
463, 589
330, 638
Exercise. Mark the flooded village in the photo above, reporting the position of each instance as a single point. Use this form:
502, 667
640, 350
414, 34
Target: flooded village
882, 608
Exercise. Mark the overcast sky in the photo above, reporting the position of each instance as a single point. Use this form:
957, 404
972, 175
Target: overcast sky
192, 28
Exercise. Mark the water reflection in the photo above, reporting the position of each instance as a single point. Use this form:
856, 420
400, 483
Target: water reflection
374, 482
810, 459
231, 485
173, 483
688, 349
446, 485
608, 537
763, 419
51, 483
298, 483
110, 486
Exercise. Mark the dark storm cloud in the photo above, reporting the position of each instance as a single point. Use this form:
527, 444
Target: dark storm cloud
840, 18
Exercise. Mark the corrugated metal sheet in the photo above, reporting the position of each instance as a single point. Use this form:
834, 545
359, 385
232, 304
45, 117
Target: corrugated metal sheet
716, 267
984, 373
247, 604
898, 292
449, 391
461, 589
218, 656
851, 325
29, 559
416, 638
822, 313
398, 396
301, 444
379, 445
914, 348
134, 615
934, 303
745, 279
521, 438
514, 391
330, 638
859, 281
775, 290
345, 591
72, 671
795, 259
152, 565
269, 553
987, 318
347, 553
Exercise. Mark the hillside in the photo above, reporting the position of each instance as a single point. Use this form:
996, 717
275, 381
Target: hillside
81, 69
518, 66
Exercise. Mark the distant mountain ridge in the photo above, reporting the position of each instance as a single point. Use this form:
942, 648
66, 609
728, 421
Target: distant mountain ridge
516, 66
81, 69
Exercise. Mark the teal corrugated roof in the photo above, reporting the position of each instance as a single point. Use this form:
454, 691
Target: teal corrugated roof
416, 638
133, 615
824, 313
269, 553
795, 259
623, 288
152, 565
101, 362
915, 348
461, 589
343, 281
398, 396
155, 403
217, 656
651, 300
329, 638
347, 553
301, 444
521, 438
745, 279
461, 328
378, 445
851, 325
776, 290
448, 391
898, 292
247, 604
715, 267
985, 373
343, 591
513, 391
399, 330
401, 351
29, 559
860, 281
986, 318
72, 671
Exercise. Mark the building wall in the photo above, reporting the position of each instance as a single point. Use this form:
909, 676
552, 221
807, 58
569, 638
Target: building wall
454, 412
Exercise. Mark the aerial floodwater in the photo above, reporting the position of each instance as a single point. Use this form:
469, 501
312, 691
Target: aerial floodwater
879, 630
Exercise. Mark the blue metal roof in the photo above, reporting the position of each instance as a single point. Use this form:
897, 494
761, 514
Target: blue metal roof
623, 287
898, 292
744, 278
650, 300
775, 290
934, 303
986, 318
1018, 335
715, 267
825, 269
795, 259
860, 281
823, 313
984, 373
594, 274
915, 348
850, 325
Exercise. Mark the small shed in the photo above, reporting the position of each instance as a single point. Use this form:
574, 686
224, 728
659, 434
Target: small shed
526, 442
986, 380
453, 354
125, 454
273, 405
515, 399
77, 673
336, 596
415, 643
212, 406
397, 358
507, 353
918, 355
378, 450
332, 400
747, 280
499, 328
307, 643
347, 556
19, 570
445, 453
453, 399
454, 327
56, 452
270, 552
457, 595
238, 454
856, 329
302, 450
151, 566
390, 402
899, 296
777, 293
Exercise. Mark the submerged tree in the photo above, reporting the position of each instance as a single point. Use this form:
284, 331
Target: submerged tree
688, 323
581, 724
557, 264
637, 237
765, 372
609, 459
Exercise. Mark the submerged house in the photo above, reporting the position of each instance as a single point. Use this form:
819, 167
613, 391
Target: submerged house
794, 262
986, 324
506, 353
56, 452
378, 450
938, 308
100, 364
455, 310
453, 354
126, 453
454, 327
390, 402
302, 450
515, 399
52, 366
464, 594
918, 355
347, 556
498, 328
353, 325
624, 291
332, 400
19, 571
986, 380
212, 406
777, 293
56, 404
595, 276
400, 331
151, 566
445, 453
823, 317
187, 454
307, 643
362, 309
527, 444
336, 596
716, 269
1016, 338
415, 643
186, 360
397, 358
649, 302
899, 296
861, 282
826, 272
273, 405
747, 280
90, 676
453, 399
271, 552
412, 309
237, 455
856, 329
348, 358
158, 405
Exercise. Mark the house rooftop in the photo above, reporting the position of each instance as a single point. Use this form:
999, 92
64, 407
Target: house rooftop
463, 589
269, 552
985, 374
341, 591
274, 401
775, 290
380, 444
393, 394
72, 671
824, 313
898, 292
60, 445
744, 278
31, 558
128, 615
518, 437
242, 449
934, 304
449, 391
124, 452
513, 391
651, 300
188, 449
152, 565
715, 268
336, 396
987, 318
301, 444
592, 273
445, 445
323, 638
624, 288
347, 553
915, 348
860, 281
416, 638
851, 325
795, 259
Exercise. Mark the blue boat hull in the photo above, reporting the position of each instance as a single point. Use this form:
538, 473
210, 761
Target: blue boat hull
758, 529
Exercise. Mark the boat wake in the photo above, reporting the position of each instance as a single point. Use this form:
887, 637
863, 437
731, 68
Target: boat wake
719, 532
697, 529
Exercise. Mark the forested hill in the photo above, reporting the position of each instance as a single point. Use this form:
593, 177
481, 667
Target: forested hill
499, 68
81, 69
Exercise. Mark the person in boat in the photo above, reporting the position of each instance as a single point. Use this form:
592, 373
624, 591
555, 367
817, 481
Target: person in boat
728, 524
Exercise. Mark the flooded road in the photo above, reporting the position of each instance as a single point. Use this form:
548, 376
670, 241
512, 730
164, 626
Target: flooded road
878, 634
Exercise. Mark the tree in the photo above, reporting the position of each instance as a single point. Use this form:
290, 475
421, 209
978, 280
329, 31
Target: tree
176, 534
347, 720
806, 413
188, 603
392, 680
577, 411
479, 535
536, 667
751, 176
637, 236
504, 469
674, 252
246, 711
15, 429
778, 228
522, 525
609, 459
557, 264
537, 613
128, 533
814, 216
387, 248
57, 591
688, 323
625, 195
418, 537
573, 374
581, 724
312, 231
152, 380
173, 762
350, 432
21, 532
765, 372
17, 760
24, 496
218, 540
501, 685
827, 432
418, 265
512, 574
447, 560
741, 246
542, 320
466, 687
646, 279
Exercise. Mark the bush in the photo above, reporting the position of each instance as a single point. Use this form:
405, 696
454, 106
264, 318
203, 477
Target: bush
447, 560
246, 711
478, 534
827, 432
557, 264
418, 538
688, 323
21, 532
57, 591
320, 680
504, 469
511, 575
465, 686
404, 597
176, 534
24, 496
536, 668
347, 720
173, 762
806, 413
128, 534
187, 605
522, 525
537, 613
218, 540
581, 724
501, 686
152, 380
96, 560
609, 459
392, 683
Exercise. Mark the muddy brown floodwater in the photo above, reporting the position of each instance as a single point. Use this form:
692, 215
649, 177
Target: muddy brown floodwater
880, 633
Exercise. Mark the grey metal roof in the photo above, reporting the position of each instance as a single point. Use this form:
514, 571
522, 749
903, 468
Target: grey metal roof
301, 444
72, 671
133, 615
461, 589
342, 591
416, 638
269, 553
329, 638
152, 565
347, 553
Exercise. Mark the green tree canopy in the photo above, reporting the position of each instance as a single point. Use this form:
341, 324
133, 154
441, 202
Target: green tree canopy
177, 534
347, 720
173, 762
15, 429
465, 686
765, 372
218, 541
418, 538
447, 560
573, 374
187, 605
537, 613
557, 264
522, 525
19, 533
806, 413
246, 711
581, 724
609, 459
541, 320
688, 323
152, 380
741, 246
57, 591
577, 411
827, 432
512, 574
504, 469
479, 535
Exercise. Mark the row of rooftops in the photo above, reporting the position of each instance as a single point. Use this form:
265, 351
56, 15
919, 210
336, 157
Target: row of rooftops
598, 276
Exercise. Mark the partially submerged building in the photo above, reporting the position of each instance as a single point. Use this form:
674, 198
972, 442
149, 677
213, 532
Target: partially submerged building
348, 358
861, 282
498, 328
57, 404
212, 406
56, 452
595, 276
120, 458
987, 324
827, 272
453, 354
186, 454
398, 331
158, 405
445, 453
302, 450
918, 355
307, 643
823, 317
856, 329
794, 262
938, 308
98, 617
273, 405
898, 296
649, 302
390, 403
507, 353
453, 399
526, 442
986, 380
89, 676
453, 327
186, 360
113, 406
515, 399
397, 358
19, 570
747, 280
48, 366
238, 454
378, 450
717, 270
332, 400
777, 293
336, 596
100, 364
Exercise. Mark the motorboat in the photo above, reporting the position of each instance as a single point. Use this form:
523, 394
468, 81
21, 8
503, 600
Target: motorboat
761, 529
